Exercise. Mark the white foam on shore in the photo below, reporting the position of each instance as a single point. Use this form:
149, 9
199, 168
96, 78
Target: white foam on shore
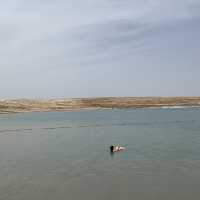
178, 107
170, 107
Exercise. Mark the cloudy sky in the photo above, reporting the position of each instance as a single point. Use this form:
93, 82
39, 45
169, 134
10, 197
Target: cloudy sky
83, 48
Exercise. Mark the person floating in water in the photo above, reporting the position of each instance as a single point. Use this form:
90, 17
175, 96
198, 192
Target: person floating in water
116, 148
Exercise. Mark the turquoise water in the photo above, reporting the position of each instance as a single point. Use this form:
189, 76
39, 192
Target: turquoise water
65, 155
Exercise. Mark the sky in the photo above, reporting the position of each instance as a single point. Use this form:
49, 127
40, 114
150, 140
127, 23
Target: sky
93, 48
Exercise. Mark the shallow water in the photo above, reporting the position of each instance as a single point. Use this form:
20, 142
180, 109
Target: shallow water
65, 155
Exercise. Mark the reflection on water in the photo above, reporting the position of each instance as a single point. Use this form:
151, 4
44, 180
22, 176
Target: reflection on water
66, 155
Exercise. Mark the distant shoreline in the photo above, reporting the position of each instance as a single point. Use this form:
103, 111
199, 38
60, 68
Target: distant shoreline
76, 104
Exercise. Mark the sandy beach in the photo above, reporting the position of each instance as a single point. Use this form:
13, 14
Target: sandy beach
74, 104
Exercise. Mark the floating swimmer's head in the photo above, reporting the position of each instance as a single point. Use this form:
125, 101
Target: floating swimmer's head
112, 148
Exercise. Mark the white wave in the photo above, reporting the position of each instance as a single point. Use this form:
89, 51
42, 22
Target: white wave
178, 107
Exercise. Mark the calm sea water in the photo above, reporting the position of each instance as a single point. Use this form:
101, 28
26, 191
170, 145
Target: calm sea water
65, 155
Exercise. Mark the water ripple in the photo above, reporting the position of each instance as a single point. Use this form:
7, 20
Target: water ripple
93, 125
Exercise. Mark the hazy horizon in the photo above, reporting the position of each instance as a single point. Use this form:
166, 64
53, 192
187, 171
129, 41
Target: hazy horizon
91, 97
99, 48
